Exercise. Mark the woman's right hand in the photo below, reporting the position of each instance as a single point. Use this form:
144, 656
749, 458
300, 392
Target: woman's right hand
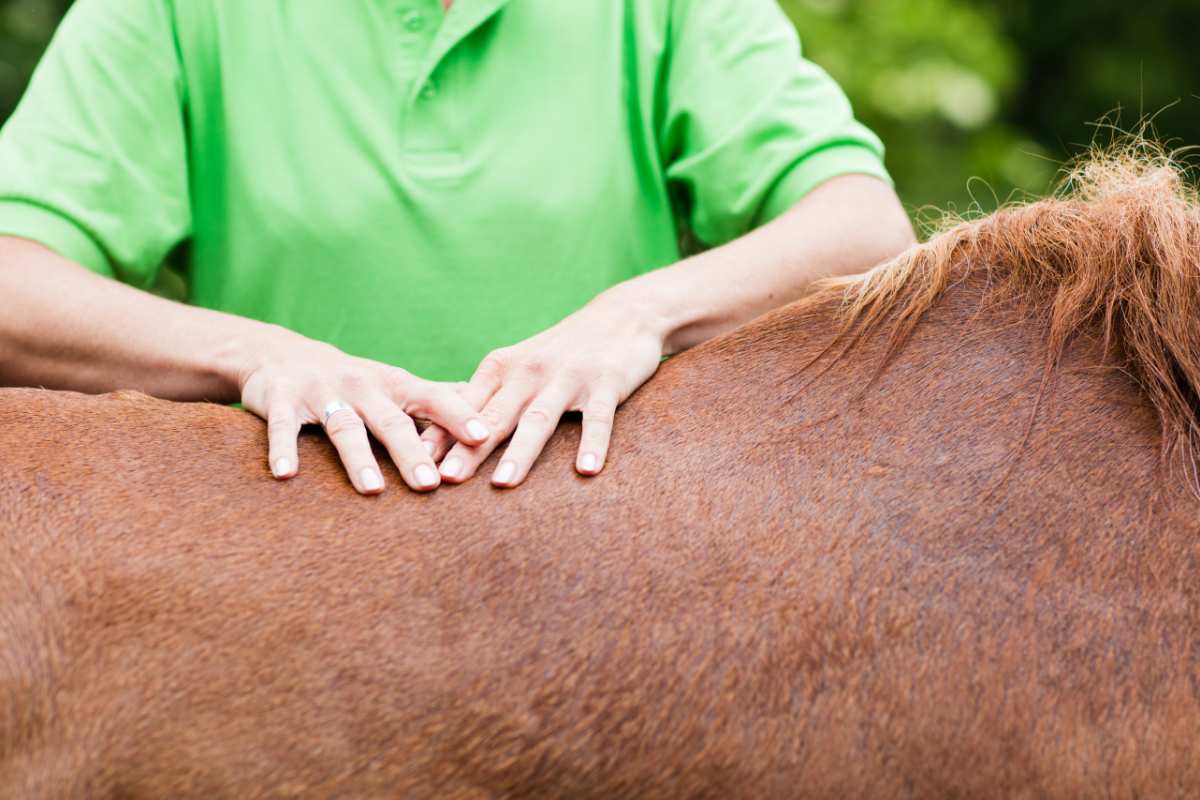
65, 327
292, 381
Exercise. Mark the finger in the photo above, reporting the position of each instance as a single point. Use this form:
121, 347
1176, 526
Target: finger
501, 413
485, 381
346, 430
398, 433
436, 441
283, 426
598, 415
537, 423
441, 404
477, 392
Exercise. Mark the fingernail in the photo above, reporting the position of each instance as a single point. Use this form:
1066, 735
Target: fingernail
588, 462
451, 467
429, 447
282, 467
505, 473
371, 480
478, 430
425, 475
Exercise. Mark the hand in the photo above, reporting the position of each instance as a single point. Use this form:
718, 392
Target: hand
292, 380
590, 362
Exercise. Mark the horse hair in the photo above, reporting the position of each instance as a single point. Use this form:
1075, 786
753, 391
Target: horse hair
1115, 249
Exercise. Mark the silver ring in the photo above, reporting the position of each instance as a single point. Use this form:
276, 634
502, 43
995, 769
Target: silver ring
331, 409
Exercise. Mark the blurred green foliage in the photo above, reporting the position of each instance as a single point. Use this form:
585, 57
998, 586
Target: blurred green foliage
25, 28
975, 100
980, 101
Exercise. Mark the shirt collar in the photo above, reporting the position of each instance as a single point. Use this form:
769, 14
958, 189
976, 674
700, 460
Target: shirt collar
463, 18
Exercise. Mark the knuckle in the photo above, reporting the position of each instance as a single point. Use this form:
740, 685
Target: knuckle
281, 402
312, 389
280, 396
282, 425
441, 394
534, 368
494, 363
344, 422
396, 425
435, 434
281, 421
538, 417
601, 420
353, 383
417, 406
494, 418
398, 383
426, 397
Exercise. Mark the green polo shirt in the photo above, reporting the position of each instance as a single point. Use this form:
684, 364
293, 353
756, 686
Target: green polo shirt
412, 185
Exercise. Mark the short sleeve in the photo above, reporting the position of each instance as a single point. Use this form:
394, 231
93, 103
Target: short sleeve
93, 163
749, 126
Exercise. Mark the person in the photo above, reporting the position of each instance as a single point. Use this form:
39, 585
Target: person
366, 192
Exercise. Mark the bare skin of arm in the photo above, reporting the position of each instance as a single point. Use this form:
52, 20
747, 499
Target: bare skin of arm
595, 359
64, 327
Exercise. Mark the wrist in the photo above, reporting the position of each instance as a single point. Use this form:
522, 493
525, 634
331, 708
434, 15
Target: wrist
239, 347
669, 304
638, 309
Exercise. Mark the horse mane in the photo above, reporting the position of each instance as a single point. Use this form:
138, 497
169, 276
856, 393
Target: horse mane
1114, 251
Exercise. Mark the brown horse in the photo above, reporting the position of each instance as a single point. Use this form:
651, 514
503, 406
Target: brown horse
928, 533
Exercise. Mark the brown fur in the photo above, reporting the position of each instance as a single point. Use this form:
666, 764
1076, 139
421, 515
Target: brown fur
829, 597
1117, 253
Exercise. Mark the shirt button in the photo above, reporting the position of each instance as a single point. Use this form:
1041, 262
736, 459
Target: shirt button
414, 21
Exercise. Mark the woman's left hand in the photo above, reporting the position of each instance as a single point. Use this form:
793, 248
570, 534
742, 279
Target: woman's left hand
590, 362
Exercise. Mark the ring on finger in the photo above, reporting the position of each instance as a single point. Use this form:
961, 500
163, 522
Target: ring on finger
331, 409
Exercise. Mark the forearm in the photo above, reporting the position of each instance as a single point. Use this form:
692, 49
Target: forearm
63, 327
847, 225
